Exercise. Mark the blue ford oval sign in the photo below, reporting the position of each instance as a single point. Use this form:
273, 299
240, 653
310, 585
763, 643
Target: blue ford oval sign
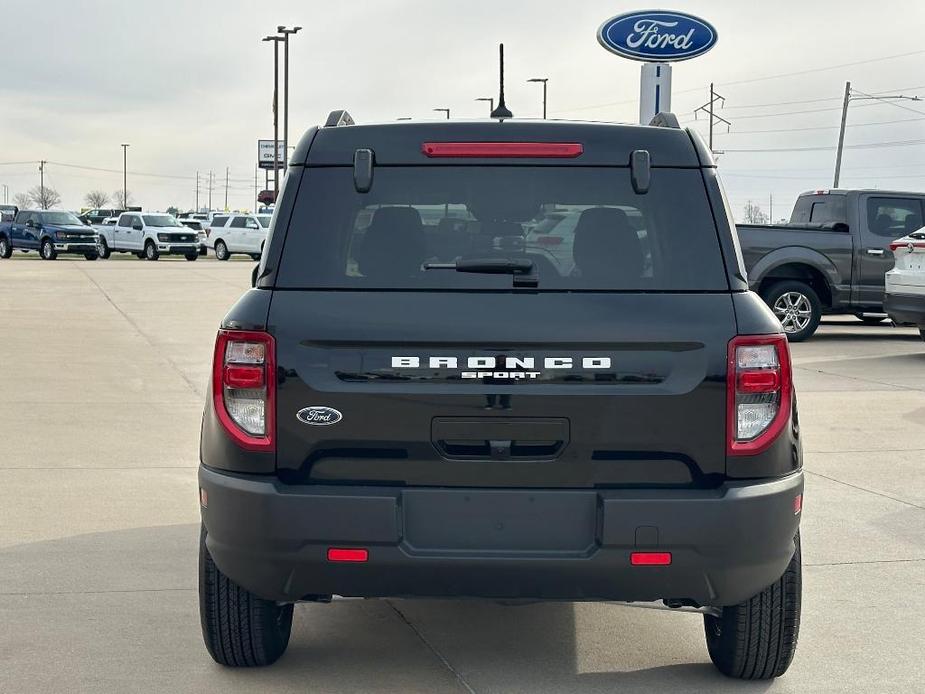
319, 415
657, 36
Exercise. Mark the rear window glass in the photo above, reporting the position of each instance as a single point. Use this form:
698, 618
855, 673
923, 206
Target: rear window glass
583, 229
820, 209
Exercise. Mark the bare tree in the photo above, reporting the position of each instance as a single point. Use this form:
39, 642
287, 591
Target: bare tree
45, 198
22, 201
122, 199
96, 198
754, 214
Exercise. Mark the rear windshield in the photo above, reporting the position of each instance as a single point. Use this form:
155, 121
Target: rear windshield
819, 209
583, 228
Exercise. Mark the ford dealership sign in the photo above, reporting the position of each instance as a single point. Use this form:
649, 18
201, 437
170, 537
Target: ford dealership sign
657, 36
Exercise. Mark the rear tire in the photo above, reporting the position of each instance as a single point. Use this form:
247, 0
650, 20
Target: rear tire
192, 256
6, 250
221, 250
103, 249
239, 628
151, 251
922, 333
255, 257
756, 639
48, 250
796, 306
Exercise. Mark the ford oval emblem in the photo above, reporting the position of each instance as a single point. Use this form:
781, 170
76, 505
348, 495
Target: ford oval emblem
657, 36
319, 415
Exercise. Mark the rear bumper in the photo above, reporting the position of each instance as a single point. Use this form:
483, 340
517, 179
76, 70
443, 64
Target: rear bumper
906, 308
726, 544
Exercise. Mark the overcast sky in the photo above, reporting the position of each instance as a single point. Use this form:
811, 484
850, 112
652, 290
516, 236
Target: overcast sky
189, 84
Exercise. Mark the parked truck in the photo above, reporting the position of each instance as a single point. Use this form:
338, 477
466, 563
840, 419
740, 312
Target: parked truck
49, 232
831, 257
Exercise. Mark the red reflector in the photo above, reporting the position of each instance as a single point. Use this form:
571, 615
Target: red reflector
502, 149
347, 554
244, 376
650, 558
762, 381
797, 504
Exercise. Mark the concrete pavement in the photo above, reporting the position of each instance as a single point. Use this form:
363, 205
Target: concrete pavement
104, 367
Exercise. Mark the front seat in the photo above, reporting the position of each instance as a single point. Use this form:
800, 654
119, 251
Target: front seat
882, 224
606, 250
394, 245
913, 223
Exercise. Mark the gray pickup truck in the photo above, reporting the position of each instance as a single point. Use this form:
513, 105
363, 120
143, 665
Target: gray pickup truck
831, 257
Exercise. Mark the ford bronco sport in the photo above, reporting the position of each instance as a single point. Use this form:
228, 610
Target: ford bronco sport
419, 398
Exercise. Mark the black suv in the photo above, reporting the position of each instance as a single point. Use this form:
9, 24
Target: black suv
425, 396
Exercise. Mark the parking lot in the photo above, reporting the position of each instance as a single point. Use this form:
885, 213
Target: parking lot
105, 366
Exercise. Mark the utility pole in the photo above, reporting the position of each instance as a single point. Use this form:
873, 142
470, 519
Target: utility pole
6, 193
444, 110
544, 80
489, 99
286, 33
858, 95
210, 190
197, 191
710, 111
770, 208
226, 188
125, 175
42, 181
275, 40
256, 192
841, 133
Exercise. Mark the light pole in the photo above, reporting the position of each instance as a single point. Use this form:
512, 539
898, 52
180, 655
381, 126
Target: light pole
491, 102
6, 193
286, 32
444, 110
125, 175
275, 40
544, 80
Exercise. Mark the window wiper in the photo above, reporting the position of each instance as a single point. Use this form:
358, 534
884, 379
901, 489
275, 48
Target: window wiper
520, 268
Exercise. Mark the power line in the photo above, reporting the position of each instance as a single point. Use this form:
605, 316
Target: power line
868, 145
886, 100
821, 127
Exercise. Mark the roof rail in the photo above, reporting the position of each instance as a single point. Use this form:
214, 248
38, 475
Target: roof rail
665, 119
338, 117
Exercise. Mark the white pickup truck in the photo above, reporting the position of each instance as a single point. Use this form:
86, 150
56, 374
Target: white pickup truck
148, 235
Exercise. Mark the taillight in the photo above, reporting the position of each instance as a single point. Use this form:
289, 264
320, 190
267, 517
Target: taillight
910, 245
244, 388
759, 392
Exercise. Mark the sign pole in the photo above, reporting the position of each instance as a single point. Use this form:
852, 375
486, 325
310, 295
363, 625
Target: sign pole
654, 91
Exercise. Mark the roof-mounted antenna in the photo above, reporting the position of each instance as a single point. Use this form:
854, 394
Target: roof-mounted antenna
501, 111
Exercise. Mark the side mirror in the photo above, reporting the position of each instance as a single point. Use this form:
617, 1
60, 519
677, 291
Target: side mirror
30, 224
254, 274
137, 227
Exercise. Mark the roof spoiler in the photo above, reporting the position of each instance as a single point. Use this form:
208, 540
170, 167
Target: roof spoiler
665, 119
337, 118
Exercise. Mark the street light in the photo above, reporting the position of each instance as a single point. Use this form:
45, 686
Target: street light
491, 102
275, 40
444, 110
125, 175
286, 32
544, 80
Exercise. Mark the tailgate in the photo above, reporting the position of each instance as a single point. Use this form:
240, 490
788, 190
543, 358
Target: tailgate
502, 390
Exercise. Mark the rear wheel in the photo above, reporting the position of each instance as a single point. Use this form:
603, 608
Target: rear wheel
103, 249
6, 250
922, 333
239, 628
221, 250
796, 306
151, 251
192, 256
756, 639
48, 250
